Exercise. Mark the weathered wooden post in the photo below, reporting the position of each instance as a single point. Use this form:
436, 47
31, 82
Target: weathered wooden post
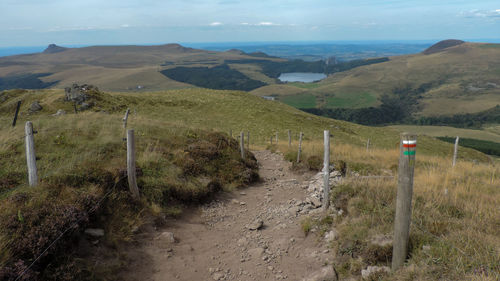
248, 140
326, 170
242, 144
132, 181
408, 146
455, 152
300, 147
30, 154
125, 118
271, 140
368, 145
74, 108
289, 138
276, 138
18, 106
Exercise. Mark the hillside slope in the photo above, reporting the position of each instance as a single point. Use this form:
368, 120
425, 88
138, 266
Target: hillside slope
464, 78
118, 68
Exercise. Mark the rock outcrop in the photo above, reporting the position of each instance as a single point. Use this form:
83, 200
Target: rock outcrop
81, 95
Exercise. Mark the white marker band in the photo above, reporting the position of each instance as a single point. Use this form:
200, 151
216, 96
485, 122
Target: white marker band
410, 142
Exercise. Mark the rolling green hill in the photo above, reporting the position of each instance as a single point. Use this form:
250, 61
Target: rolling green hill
452, 79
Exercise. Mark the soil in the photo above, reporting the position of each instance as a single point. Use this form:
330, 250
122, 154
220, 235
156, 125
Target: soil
249, 234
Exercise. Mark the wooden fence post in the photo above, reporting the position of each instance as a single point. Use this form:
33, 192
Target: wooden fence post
300, 147
18, 106
30, 154
367, 145
276, 138
407, 147
132, 181
248, 140
326, 170
455, 152
125, 118
242, 144
289, 138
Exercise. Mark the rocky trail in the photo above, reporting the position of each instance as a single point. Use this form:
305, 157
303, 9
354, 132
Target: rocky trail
250, 234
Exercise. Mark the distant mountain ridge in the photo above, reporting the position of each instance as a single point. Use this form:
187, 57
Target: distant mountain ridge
442, 45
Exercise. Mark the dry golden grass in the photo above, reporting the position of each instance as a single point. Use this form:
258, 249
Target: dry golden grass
455, 211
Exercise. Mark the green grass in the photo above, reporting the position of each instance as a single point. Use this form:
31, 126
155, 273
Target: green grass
351, 100
183, 153
300, 101
487, 134
304, 85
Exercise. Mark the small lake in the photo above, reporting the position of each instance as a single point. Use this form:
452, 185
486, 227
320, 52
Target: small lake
306, 77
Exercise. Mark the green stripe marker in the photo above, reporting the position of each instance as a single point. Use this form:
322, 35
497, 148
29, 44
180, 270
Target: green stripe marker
409, 152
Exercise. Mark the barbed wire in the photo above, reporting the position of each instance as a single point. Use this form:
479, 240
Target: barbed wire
73, 226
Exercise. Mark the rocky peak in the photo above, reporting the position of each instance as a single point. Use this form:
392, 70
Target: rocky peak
53, 48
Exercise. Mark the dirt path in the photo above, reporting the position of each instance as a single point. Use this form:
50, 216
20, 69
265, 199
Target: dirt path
215, 241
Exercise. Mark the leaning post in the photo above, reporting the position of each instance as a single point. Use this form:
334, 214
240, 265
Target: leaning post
300, 147
30, 154
455, 152
242, 144
132, 180
326, 170
18, 106
407, 147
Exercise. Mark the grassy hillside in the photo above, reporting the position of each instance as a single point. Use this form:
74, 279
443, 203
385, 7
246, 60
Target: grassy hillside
458, 79
184, 155
488, 133
115, 68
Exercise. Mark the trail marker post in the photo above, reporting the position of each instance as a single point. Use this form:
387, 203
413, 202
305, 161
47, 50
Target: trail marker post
289, 138
242, 144
326, 170
407, 147
125, 118
300, 147
30, 154
455, 152
132, 180
18, 106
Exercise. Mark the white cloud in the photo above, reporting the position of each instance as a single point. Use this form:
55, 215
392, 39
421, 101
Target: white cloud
267, 23
215, 23
475, 13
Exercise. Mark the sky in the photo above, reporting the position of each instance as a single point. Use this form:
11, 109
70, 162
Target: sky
116, 22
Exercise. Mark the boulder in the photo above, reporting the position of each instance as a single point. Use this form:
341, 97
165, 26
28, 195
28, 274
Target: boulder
326, 273
365, 273
35, 107
59, 112
256, 224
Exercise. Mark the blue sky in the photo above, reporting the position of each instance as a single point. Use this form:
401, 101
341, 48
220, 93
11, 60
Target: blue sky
88, 22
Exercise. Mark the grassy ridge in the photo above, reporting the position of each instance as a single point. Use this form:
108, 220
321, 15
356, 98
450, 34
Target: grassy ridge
182, 155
